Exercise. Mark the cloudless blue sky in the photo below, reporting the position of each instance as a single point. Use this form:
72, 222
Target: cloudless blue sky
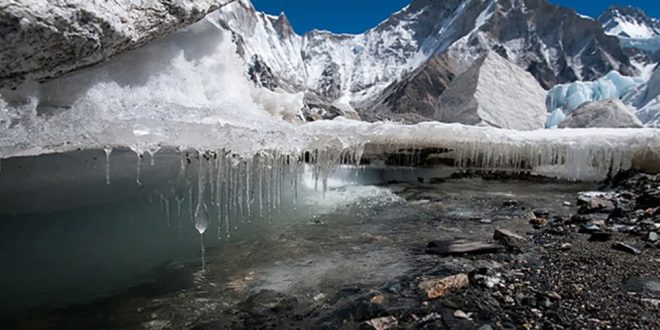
355, 16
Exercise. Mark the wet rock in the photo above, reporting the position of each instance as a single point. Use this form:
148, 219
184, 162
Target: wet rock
538, 222
461, 246
383, 323
600, 236
648, 285
379, 299
511, 240
593, 202
511, 203
589, 228
486, 277
626, 248
459, 314
541, 213
436, 288
649, 199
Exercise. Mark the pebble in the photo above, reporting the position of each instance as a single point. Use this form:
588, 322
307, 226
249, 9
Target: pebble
566, 246
383, 323
653, 237
589, 228
459, 314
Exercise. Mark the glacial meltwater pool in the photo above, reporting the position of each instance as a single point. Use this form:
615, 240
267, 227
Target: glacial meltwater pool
135, 262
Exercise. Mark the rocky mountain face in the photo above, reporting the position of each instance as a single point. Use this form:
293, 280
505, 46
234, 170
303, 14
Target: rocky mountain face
398, 69
45, 39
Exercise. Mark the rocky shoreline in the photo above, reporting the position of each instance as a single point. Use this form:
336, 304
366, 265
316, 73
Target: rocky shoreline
591, 265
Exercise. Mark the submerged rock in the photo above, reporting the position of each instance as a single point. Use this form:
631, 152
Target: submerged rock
511, 240
436, 288
490, 94
461, 246
45, 39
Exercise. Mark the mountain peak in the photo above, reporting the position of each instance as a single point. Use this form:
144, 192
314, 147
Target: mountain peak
629, 22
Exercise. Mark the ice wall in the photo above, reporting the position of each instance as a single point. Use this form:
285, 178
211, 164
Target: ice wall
568, 97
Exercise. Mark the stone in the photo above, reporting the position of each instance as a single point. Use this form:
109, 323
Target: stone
541, 213
459, 314
600, 236
626, 248
383, 323
648, 285
538, 222
46, 39
610, 113
461, 246
595, 202
378, 300
509, 239
437, 288
652, 237
589, 228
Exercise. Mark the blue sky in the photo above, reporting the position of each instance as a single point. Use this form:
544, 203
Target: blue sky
355, 16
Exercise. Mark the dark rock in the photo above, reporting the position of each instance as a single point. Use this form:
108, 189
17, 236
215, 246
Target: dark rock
626, 248
594, 202
649, 199
509, 239
541, 213
461, 246
600, 236
647, 284
589, 229
577, 218
510, 203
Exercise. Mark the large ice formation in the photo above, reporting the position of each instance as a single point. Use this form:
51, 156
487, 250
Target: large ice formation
43, 39
611, 113
646, 99
569, 97
494, 92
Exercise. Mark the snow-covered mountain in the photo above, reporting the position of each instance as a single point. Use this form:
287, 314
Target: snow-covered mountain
379, 68
639, 34
629, 22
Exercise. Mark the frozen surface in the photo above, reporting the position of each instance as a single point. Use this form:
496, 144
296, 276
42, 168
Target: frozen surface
569, 97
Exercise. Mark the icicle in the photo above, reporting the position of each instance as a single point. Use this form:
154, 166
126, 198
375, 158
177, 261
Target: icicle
108, 151
201, 216
139, 169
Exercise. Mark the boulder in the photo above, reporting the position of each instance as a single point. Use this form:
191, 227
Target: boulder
610, 113
45, 39
494, 92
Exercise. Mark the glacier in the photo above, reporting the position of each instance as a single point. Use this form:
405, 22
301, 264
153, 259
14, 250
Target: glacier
568, 97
